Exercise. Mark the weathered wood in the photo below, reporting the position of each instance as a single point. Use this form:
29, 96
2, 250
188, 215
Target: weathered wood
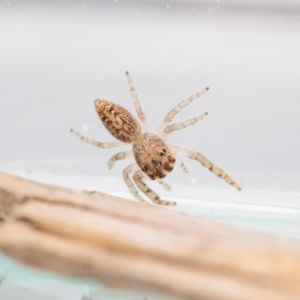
142, 247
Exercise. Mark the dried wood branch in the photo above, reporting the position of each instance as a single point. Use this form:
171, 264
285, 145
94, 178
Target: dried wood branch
136, 246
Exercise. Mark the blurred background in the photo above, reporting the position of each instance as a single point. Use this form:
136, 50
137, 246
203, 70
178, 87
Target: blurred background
57, 57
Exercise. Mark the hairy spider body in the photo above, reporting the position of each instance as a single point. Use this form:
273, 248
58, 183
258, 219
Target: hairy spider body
118, 121
154, 158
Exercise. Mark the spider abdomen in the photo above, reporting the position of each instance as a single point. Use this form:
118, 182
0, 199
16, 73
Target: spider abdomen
153, 156
118, 121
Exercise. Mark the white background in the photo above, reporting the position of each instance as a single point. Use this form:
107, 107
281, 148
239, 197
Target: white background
56, 57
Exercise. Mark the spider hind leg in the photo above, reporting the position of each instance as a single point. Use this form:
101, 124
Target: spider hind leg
164, 184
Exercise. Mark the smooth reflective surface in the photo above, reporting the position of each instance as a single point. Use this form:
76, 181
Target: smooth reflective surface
58, 57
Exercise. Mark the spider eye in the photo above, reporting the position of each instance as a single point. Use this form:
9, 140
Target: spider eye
163, 152
145, 168
154, 162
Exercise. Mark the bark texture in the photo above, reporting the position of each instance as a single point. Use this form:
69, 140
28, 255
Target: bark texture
136, 246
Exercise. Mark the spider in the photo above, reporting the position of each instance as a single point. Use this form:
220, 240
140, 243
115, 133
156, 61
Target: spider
154, 158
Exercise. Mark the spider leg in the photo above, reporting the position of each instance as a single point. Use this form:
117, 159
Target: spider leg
169, 117
128, 170
96, 143
184, 168
182, 125
163, 183
206, 163
136, 102
119, 156
137, 177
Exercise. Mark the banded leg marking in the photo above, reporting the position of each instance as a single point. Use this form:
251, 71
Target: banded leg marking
182, 125
169, 117
206, 163
119, 156
137, 177
164, 184
96, 143
184, 168
136, 102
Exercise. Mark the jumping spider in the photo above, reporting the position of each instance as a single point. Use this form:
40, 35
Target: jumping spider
154, 158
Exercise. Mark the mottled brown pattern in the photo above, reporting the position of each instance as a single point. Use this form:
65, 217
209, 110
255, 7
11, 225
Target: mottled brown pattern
118, 121
154, 159
153, 156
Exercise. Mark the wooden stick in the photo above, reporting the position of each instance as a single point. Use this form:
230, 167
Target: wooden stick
141, 247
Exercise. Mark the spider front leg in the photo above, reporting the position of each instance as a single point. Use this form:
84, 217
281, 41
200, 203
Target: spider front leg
164, 184
138, 179
206, 163
128, 170
96, 143
119, 156
184, 168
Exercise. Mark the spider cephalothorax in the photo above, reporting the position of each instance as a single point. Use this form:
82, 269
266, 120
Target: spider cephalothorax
154, 158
